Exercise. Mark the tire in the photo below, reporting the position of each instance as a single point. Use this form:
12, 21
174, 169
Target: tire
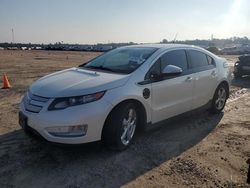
220, 98
120, 127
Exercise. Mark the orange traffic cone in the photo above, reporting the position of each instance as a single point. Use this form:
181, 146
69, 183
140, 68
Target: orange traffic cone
6, 83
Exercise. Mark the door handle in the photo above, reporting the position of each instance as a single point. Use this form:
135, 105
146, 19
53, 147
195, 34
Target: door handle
189, 79
213, 73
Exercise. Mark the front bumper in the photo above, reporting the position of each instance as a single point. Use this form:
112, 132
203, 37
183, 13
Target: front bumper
92, 114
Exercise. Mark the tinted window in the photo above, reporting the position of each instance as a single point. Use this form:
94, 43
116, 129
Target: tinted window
198, 59
155, 69
177, 58
245, 59
210, 60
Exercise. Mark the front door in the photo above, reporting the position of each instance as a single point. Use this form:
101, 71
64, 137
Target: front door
171, 95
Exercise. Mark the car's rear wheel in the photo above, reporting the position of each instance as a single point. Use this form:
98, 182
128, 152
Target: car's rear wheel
120, 127
219, 99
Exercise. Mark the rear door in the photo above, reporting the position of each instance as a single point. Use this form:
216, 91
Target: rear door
205, 77
171, 95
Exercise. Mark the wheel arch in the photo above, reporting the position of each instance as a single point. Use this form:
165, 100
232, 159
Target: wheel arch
142, 113
224, 82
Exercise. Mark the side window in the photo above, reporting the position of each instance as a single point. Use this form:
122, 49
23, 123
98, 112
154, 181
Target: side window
245, 60
248, 58
176, 57
155, 69
210, 60
198, 59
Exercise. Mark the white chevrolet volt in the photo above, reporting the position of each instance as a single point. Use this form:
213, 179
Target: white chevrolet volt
116, 94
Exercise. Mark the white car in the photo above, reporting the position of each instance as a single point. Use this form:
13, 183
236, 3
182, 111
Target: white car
116, 94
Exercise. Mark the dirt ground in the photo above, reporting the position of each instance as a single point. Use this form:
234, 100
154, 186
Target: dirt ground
197, 150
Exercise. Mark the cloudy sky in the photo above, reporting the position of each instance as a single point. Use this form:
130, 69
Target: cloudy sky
94, 21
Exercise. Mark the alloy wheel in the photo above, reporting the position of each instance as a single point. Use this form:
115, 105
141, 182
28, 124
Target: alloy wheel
221, 98
129, 126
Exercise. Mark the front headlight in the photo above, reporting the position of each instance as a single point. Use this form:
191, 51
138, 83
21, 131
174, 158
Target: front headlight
62, 103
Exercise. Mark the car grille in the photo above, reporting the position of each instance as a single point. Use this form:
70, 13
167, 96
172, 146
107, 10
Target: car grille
34, 103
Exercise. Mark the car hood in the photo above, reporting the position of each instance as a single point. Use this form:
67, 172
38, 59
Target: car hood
76, 82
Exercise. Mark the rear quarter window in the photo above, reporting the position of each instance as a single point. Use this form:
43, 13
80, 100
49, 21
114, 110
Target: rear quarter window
210, 60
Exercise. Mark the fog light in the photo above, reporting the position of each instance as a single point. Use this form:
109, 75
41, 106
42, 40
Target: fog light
68, 131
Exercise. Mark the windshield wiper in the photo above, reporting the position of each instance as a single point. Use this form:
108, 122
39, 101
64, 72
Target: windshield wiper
119, 71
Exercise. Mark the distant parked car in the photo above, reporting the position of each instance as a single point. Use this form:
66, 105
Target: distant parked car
214, 50
113, 95
242, 67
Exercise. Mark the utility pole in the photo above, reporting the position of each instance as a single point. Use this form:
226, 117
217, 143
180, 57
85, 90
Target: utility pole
175, 37
13, 39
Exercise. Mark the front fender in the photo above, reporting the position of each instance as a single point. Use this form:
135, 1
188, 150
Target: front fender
118, 95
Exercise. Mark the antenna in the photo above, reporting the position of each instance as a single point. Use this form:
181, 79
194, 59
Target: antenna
13, 39
175, 37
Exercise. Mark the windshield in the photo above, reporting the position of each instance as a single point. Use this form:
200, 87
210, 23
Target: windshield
121, 60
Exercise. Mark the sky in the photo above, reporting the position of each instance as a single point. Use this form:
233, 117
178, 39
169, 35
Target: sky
103, 21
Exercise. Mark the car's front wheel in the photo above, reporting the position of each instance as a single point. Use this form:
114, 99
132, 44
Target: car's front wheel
119, 129
219, 99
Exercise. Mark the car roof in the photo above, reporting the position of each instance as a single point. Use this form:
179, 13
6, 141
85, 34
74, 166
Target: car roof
172, 46
165, 46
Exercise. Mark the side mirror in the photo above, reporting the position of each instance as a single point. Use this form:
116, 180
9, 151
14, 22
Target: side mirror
171, 70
